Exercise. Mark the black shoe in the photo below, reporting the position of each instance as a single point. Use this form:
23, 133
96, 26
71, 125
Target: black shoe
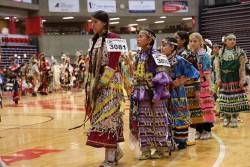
182, 146
23, 94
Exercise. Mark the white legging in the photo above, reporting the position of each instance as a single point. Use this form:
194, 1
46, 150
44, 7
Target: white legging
110, 154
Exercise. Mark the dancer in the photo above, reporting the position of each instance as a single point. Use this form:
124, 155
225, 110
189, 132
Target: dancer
182, 38
150, 99
55, 69
206, 101
33, 76
181, 72
14, 74
230, 77
215, 53
44, 68
104, 93
183, 51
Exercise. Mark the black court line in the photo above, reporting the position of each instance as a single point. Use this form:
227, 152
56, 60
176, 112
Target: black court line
19, 127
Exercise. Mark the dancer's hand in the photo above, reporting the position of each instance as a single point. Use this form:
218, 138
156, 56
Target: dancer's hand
156, 102
176, 83
218, 82
180, 81
242, 82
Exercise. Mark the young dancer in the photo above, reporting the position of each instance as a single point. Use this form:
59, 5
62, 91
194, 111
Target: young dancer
181, 72
230, 77
150, 99
104, 93
206, 117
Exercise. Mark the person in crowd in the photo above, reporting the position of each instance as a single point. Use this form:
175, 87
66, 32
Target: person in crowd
181, 72
230, 77
34, 76
55, 69
182, 38
81, 71
66, 73
23, 74
104, 93
44, 70
204, 117
150, 121
208, 46
215, 53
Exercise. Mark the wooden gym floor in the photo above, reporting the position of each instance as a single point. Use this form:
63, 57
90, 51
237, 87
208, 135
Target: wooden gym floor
35, 134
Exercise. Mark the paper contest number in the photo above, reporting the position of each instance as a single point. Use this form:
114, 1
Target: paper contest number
161, 60
116, 45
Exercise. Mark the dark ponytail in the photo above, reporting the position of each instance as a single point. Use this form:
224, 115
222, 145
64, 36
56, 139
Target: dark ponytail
184, 36
103, 17
151, 44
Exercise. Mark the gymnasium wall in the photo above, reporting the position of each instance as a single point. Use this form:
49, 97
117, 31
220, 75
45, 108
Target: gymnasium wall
56, 44
193, 10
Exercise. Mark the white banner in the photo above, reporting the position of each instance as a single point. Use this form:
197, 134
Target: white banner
116, 45
141, 6
108, 6
64, 6
25, 1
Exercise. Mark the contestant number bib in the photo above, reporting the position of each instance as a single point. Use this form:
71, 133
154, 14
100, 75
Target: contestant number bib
116, 45
161, 60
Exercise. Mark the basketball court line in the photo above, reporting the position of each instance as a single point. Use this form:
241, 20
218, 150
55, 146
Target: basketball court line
222, 152
50, 118
219, 159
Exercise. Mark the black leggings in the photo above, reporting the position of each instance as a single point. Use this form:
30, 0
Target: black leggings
204, 127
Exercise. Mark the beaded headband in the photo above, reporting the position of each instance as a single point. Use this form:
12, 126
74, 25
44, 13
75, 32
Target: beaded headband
168, 42
145, 32
230, 36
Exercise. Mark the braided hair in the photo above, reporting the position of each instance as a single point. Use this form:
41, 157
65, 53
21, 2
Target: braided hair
151, 45
224, 44
184, 36
103, 17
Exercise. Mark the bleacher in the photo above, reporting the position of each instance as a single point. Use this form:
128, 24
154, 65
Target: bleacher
218, 21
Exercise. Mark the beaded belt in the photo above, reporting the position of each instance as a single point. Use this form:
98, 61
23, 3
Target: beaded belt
226, 71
